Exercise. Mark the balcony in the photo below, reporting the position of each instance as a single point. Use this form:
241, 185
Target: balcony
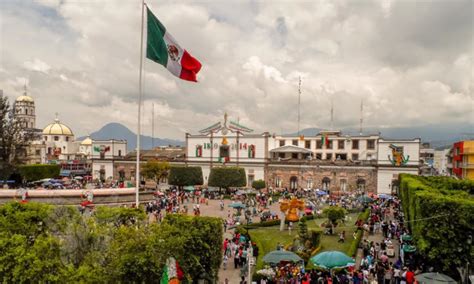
283, 161
467, 165
468, 151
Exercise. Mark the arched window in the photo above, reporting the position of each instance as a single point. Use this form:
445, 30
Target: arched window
326, 183
26, 111
343, 185
293, 183
361, 184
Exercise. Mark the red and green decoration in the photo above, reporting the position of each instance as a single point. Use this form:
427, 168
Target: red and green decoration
325, 140
251, 151
102, 149
198, 150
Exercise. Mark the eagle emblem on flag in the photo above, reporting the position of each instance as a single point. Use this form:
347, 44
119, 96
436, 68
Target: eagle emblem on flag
173, 52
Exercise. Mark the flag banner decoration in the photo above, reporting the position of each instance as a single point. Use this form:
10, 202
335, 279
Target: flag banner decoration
323, 139
162, 48
172, 273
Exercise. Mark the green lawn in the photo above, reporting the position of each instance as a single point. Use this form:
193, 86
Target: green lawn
267, 238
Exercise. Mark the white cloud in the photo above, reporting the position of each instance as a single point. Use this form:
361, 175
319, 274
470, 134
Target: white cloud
410, 63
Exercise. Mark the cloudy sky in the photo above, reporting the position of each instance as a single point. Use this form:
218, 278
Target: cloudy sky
409, 61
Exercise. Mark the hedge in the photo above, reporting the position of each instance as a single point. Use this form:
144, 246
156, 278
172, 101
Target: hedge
38, 172
185, 176
226, 177
440, 213
355, 244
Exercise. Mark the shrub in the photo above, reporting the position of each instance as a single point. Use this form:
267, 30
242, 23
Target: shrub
226, 177
185, 176
38, 172
440, 213
258, 184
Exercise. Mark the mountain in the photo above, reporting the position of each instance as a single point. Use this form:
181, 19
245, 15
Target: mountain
439, 136
119, 131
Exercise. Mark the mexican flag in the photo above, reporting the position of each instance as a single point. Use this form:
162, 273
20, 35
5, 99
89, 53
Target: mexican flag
172, 273
162, 48
324, 140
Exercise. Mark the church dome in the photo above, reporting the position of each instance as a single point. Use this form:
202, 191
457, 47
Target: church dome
25, 98
87, 141
57, 128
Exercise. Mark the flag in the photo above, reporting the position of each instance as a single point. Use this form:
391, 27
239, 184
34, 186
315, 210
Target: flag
162, 48
323, 140
172, 272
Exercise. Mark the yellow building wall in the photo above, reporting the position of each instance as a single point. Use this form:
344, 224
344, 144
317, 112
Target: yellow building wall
469, 159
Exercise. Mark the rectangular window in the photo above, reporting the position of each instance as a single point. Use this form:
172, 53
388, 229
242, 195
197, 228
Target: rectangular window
318, 156
67, 138
329, 146
309, 183
38, 152
340, 144
370, 144
281, 155
319, 144
307, 144
355, 157
355, 144
295, 142
282, 143
328, 156
294, 155
46, 138
56, 138
278, 182
341, 157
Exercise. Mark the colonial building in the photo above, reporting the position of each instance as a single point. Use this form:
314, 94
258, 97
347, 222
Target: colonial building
231, 144
104, 155
395, 157
24, 110
329, 160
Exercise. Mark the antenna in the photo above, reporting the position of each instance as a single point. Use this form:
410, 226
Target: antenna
299, 103
153, 126
332, 112
361, 116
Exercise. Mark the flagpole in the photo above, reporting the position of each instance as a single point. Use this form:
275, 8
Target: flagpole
137, 189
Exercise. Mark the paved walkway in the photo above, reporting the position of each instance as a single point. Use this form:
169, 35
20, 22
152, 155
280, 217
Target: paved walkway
378, 238
213, 209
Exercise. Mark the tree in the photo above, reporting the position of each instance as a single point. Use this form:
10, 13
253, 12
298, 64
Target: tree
258, 184
14, 140
303, 230
37, 172
225, 177
183, 176
156, 170
334, 213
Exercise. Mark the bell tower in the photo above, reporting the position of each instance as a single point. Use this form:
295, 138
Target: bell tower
24, 109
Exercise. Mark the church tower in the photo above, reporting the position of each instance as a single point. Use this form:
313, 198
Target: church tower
24, 109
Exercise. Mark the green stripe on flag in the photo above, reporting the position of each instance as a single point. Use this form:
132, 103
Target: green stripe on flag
156, 49
164, 277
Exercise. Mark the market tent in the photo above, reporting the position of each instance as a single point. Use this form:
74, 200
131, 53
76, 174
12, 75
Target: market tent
434, 278
407, 238
189, 188
237, 205
277, 256
332, 259
408, 248
365, 199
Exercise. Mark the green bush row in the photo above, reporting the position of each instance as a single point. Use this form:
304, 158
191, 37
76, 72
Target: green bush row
355, 243
440, 214
38, 172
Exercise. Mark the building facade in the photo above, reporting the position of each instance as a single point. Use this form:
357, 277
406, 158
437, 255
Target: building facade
105, 153
329, 160
440, 161
461, 160
395, 157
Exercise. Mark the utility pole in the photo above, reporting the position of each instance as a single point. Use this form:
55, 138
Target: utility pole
152, 126
299, 104
361, 115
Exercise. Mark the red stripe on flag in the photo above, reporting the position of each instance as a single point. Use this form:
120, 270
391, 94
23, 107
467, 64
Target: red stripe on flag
190, 67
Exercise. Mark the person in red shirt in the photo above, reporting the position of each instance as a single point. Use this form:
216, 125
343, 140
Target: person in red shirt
410, 276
